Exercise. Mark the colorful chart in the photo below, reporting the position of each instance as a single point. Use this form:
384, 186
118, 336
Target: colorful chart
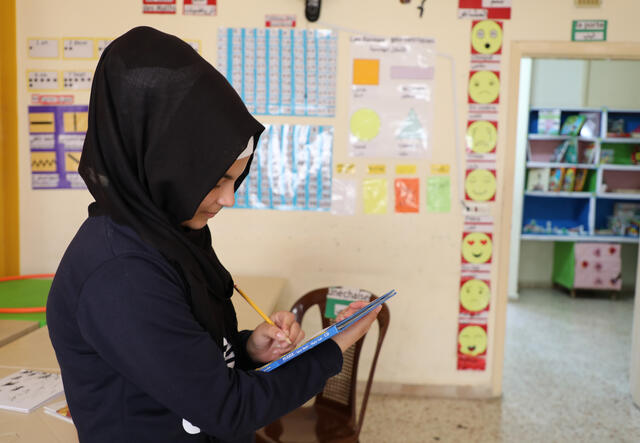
281, 71
56, 136
291, 170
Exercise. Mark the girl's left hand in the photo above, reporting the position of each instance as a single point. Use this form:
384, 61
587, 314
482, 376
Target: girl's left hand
269, 342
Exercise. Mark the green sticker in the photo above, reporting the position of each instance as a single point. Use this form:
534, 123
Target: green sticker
338, 298
438, 194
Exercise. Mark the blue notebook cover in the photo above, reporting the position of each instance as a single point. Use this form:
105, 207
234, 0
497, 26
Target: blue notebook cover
327, 333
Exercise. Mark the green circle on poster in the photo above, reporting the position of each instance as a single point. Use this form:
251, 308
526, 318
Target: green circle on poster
365, 124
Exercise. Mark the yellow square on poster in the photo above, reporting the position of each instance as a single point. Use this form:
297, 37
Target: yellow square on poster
440, 168
345, 168
366, 71
406, 169
76, 121
43, 161
71, 161
41, 122
374, 194
377, 169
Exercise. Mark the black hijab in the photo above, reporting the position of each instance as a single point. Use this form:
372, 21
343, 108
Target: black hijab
164, 127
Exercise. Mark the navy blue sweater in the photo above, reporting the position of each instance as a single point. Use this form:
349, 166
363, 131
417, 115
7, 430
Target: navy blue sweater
135, 362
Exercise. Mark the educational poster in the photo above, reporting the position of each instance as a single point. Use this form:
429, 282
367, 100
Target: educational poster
281, 71
199, 7
78, 48
477, 244
56, 137
343, 196
483, 9
291, 170
475, 295
391, 108
475, 291
439, 194
481, 138
480, 183
407, 195
43, 47
472, 346
158, 6
374, 195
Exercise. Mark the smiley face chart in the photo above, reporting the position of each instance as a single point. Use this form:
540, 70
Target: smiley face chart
480, 182
475, 291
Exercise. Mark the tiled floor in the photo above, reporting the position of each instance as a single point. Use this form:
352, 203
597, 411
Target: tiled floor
566, 379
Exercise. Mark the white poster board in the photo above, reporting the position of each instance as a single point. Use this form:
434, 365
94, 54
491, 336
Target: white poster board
391, 109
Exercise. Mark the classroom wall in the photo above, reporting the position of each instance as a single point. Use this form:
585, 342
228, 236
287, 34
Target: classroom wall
419, 255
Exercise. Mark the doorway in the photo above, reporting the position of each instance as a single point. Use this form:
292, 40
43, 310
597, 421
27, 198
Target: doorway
519, 117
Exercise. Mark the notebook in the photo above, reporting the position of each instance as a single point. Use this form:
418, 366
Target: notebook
327, 333
25, 390
59, 410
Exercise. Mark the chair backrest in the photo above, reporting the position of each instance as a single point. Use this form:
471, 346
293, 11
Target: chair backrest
339, 394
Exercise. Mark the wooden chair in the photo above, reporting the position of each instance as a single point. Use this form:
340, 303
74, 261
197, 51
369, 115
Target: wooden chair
332, 418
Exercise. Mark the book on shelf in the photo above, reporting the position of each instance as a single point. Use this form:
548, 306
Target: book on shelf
538, 179
25, 390
60, 410
555, 179
549, 121
607, 156
569, 179
327, 333
591, 126
589, 153
573, 124
559, 152
581, 179
571, 154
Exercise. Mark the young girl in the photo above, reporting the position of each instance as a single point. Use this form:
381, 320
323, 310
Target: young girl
140, 311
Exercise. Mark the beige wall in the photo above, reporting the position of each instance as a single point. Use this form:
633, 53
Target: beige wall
416, 254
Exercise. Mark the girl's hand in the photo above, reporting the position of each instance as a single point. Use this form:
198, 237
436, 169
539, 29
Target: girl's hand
269, 342
354, 332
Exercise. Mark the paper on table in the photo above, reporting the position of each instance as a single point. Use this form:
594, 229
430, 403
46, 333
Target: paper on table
25, 390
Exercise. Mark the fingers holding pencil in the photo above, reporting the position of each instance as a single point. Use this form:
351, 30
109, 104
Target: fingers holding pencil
291, 330
262, 314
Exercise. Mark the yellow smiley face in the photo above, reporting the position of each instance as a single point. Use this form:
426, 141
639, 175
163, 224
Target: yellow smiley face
486, 37
481, 136
474, 295
477, 247
472, 340
484, 87
480, 185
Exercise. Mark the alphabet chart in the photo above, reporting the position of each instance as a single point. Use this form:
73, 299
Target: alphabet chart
291, 170
281, 71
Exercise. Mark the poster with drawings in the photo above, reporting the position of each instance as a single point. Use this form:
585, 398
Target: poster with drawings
391, 107
291, 170
56, 137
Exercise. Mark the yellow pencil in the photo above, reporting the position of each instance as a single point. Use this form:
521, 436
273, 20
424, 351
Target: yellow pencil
258, 310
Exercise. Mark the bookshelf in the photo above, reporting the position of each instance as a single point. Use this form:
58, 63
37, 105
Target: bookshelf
583, 185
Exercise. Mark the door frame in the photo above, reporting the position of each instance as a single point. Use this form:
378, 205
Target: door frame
9, 204
520, 50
